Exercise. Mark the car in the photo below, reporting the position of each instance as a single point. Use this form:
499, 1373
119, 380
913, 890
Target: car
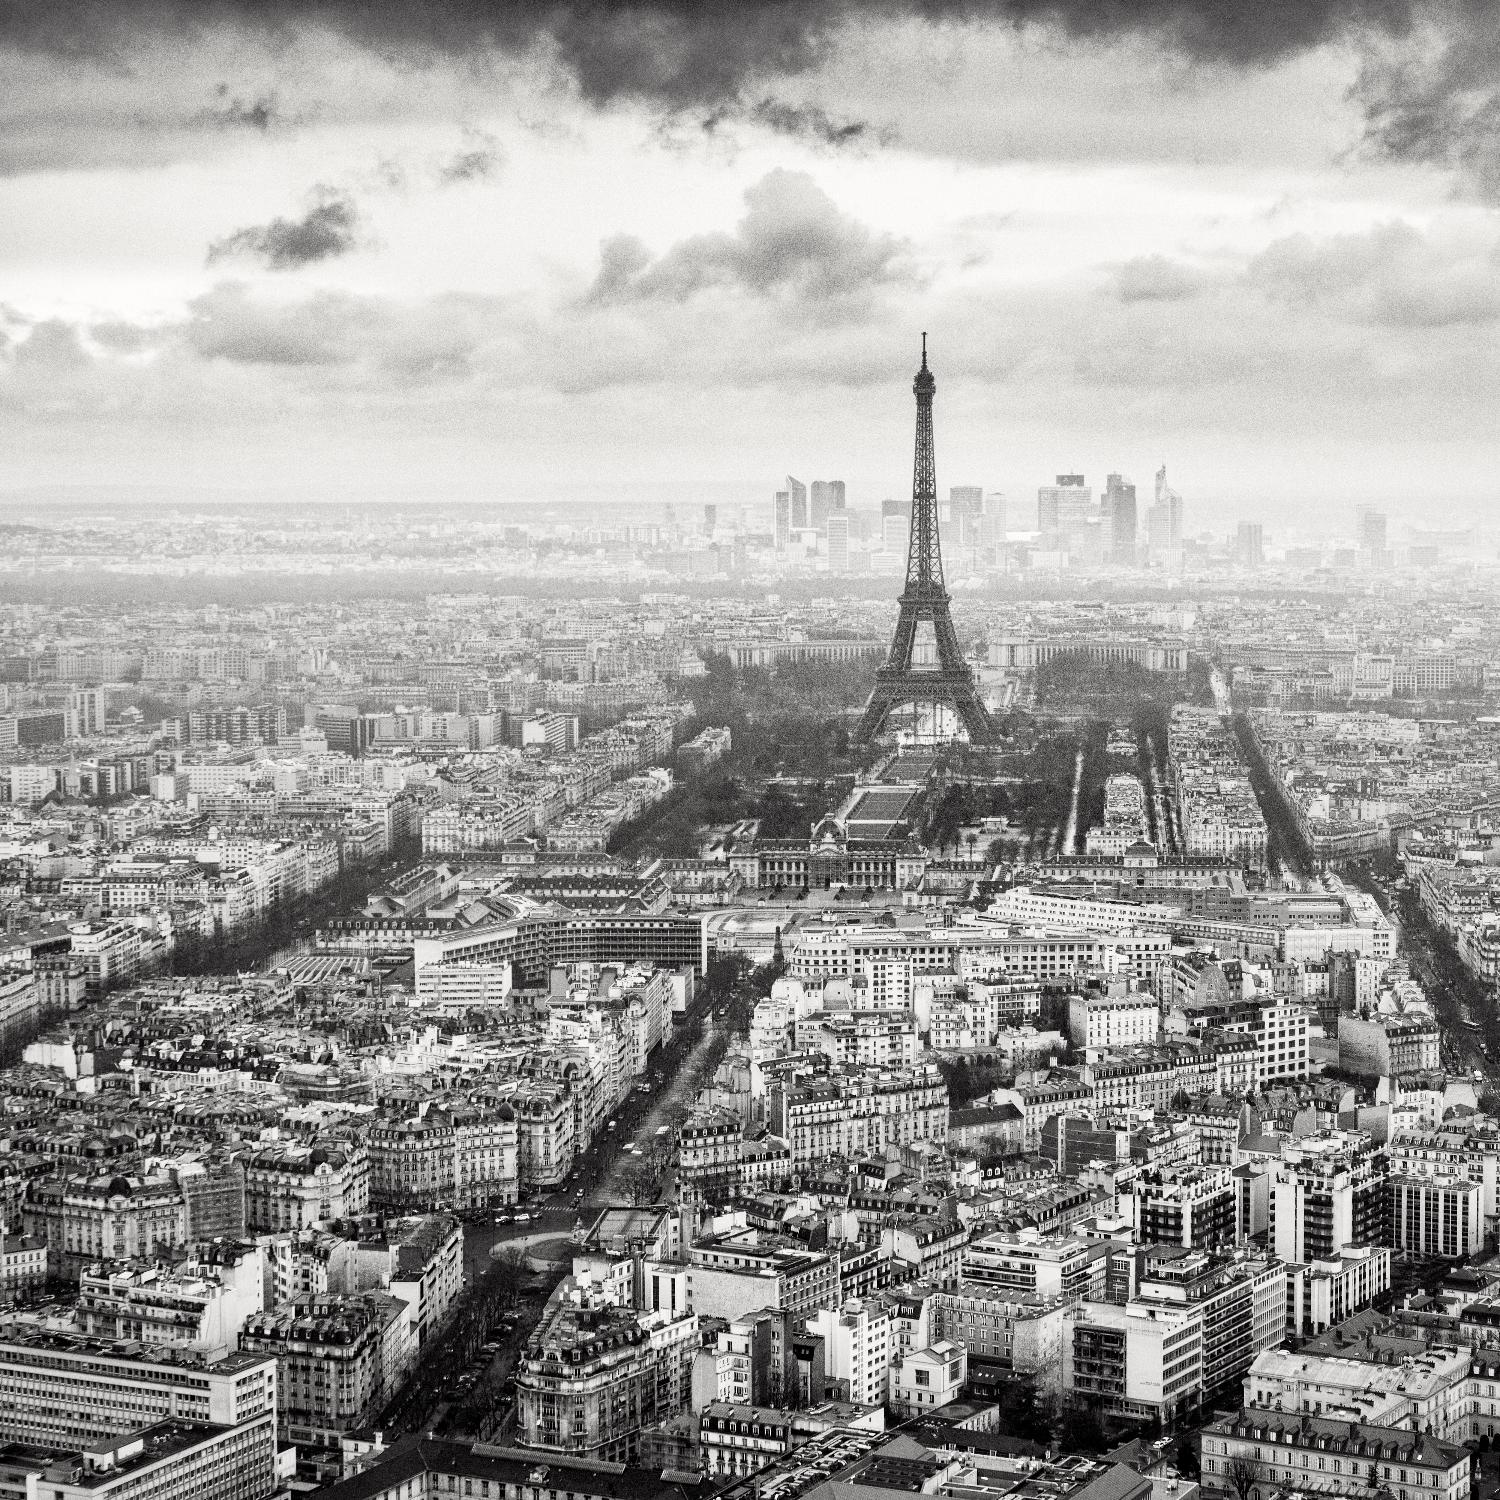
523, 1217
579, 1193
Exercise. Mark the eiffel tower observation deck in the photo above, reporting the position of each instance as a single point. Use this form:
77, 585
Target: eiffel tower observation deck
948, 681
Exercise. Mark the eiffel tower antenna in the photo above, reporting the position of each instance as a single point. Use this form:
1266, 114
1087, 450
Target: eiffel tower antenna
950, 681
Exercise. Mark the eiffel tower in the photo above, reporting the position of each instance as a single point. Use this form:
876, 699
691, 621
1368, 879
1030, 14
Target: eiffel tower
950, 682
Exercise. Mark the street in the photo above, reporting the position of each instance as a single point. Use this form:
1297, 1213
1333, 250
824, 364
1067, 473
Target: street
467, 1364
1456, 996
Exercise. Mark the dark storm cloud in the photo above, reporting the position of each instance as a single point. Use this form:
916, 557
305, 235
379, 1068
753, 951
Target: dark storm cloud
806, 121
686, 52
1428, 87
230, 112
329, 228
793, 239
1437, 101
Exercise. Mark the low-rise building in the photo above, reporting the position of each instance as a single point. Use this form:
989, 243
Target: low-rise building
927, 1379
1326, 1456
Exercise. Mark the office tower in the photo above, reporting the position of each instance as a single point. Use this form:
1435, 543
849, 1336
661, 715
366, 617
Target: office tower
1063, 510
710, 518
1118, 513
822, 502
1369, 530
993, 529
836, 499
1248, 549
798, 493
783, 520
1164, 523
838, 541
965, 503
895, 523
63, 1388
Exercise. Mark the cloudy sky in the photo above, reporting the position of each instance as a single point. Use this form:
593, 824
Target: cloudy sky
323, 249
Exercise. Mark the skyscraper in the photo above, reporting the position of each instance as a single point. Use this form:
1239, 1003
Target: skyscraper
1249, 549
965, 505
838, 541
798, 493
710, 518
1063, 510
895, 524
1118, 513
827, 497
782, 522
1369, 529
993, 532
1164, 523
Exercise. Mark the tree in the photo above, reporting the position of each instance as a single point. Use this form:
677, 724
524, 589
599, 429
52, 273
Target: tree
1245, 1473
510, 1262
1082, 1431
640, 1185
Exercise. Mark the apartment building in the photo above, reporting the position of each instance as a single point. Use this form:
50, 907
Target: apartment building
1005, 1332
849, 1113
340, 1360
926, 1380
1102, 1020
982, 949
1195, 1207
1328, 1193
547, 1141
730, 1275
445, 1156
289, 1186
204, 1307
1024, 1261
1320, 1294
1058, 1094
1242, 1298
1377, 1379
1141, 1360
1459, 1148
708, 1151
857, 1348
1437, 1216
1292, 1451
587, 1383
87, 1219
1389, 1046
1147, 1077
924, 1247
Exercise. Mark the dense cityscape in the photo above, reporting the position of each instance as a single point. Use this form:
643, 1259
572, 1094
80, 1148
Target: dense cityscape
749, 751
666, 1041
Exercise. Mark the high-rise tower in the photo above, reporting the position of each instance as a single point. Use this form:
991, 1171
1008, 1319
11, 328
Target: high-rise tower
947, 680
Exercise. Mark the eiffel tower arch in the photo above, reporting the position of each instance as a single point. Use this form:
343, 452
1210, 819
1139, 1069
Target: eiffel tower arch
924, 600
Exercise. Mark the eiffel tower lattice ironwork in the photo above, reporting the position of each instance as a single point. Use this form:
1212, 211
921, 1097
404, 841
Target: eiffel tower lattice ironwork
949, 681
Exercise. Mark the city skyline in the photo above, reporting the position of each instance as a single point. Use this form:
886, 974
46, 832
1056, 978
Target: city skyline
455, 251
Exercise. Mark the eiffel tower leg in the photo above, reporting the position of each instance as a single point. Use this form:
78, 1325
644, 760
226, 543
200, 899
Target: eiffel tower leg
877, 709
